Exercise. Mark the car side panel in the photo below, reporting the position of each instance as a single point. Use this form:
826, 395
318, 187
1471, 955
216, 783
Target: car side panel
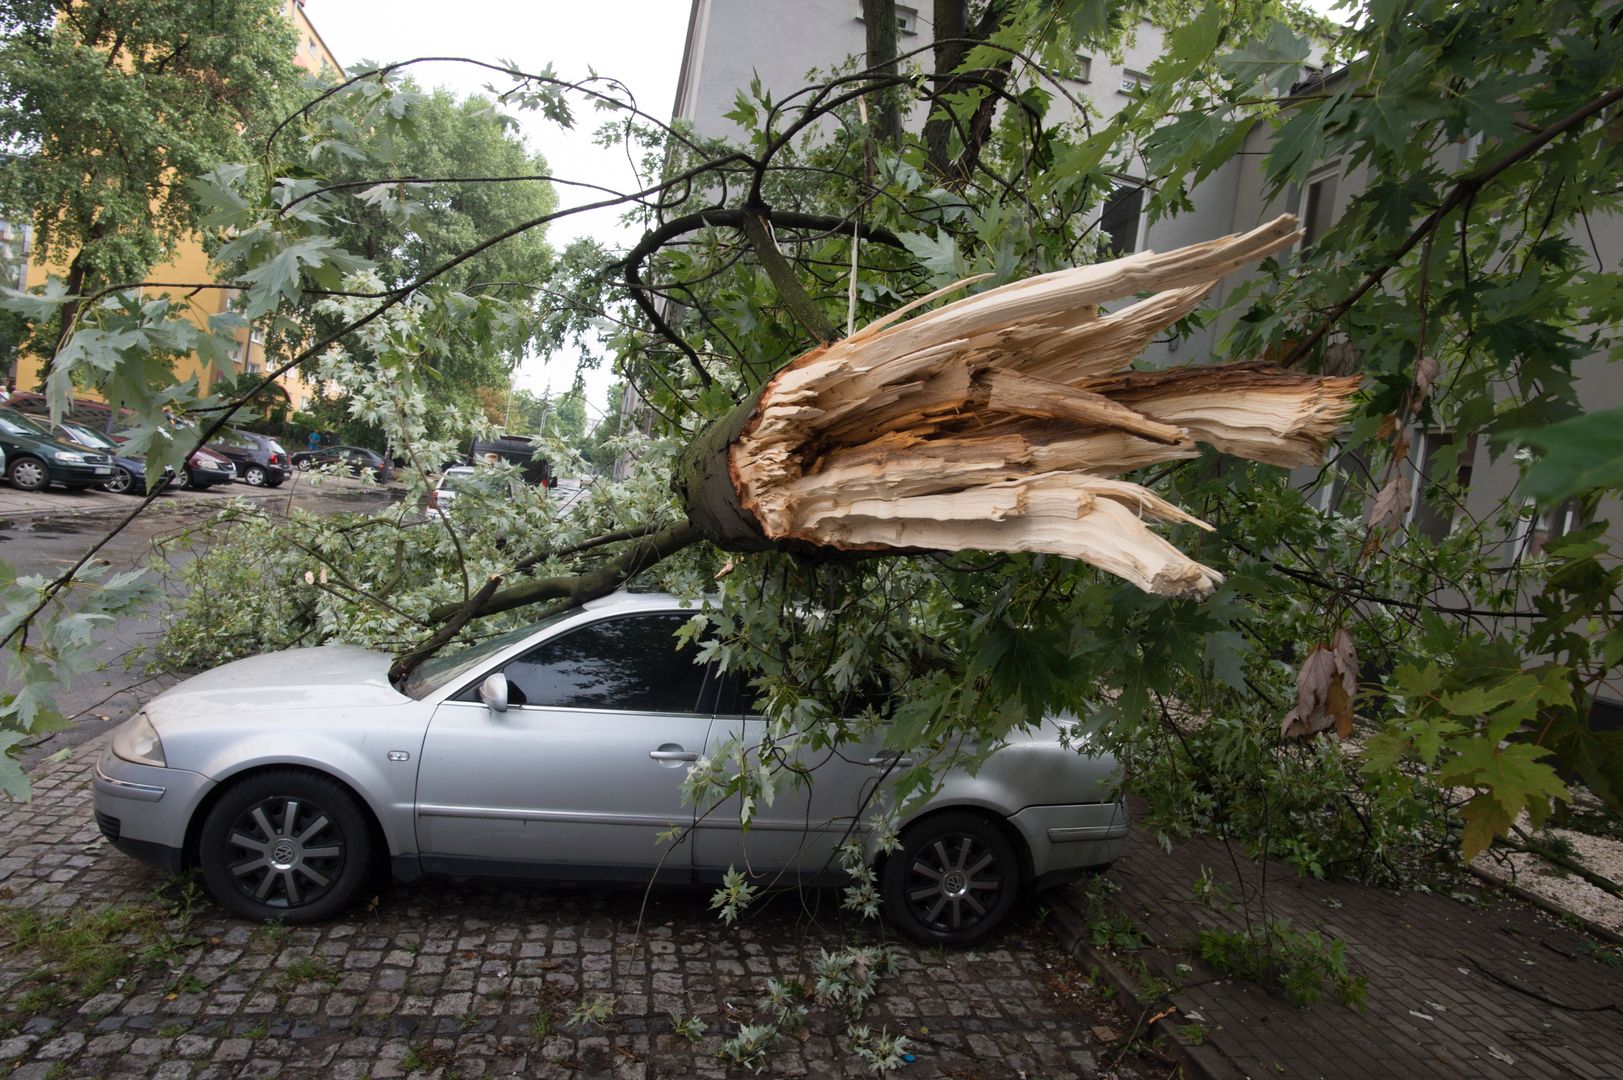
358, 755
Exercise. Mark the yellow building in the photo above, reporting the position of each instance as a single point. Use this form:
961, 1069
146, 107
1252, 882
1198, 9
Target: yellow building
191, 263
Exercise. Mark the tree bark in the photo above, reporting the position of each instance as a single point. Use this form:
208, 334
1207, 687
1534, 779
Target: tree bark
879, 19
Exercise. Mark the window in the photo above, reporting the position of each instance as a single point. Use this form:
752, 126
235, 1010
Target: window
1434, 502
1084, 68
629, 664
1346, 470
1133, 81
907, 19
1538, 529
1120, 224
1318, 206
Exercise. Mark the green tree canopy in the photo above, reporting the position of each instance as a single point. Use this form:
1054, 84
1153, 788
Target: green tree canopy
109, 108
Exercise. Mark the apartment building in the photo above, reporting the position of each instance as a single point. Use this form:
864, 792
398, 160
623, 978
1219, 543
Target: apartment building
189, 263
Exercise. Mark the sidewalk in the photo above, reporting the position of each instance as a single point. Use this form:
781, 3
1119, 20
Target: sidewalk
1486, 986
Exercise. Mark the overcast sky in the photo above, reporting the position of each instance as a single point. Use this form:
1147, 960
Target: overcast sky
638, 42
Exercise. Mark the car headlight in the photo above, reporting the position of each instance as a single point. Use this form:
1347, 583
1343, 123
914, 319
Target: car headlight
67, 455
137, 741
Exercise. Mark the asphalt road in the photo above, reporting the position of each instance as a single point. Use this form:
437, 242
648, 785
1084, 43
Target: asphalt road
48, 542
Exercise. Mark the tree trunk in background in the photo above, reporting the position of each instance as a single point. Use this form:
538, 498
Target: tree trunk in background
879, 18
951, 24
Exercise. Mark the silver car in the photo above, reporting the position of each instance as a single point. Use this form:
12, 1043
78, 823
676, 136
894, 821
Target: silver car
558, 751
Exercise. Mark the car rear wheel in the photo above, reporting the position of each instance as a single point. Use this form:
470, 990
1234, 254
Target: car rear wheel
121, 482
953, 881
285, 845
255, 475
305, 464
28, 474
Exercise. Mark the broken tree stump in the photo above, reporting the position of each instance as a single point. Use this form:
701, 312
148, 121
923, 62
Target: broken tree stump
997, 422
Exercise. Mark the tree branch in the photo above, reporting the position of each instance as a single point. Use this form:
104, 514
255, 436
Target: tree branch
1463, 191
800, 304
576, 588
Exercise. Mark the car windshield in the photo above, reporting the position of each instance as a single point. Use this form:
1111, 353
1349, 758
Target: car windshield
442, 670
88, 437
15, 423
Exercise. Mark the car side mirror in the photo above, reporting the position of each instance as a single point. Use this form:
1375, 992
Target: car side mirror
493, 691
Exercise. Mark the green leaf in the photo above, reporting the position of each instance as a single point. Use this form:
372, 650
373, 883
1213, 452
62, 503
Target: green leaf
938, 254
1512, 774
1580, 455
1484, 819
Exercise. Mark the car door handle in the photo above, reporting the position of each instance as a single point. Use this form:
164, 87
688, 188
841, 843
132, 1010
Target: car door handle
884, 760
677, 754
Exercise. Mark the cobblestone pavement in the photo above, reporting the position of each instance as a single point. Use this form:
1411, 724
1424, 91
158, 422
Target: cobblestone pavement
1479, 985
445, 979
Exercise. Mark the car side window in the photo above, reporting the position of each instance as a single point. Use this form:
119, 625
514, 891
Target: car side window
629, 664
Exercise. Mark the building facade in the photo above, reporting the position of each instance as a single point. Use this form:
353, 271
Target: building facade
189, 263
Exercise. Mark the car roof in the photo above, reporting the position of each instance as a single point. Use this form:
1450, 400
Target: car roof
624, 601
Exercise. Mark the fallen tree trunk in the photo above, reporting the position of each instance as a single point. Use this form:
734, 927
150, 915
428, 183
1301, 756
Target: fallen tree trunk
996, 423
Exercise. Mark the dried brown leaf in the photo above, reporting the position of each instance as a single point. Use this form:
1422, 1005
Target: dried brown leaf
1325, 688
1391, 504
1426, 370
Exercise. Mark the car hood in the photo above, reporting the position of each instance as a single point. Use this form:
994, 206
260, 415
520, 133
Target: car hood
295, 681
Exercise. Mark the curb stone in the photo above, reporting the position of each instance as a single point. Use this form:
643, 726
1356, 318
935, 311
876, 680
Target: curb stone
1196, 1061
1543, 903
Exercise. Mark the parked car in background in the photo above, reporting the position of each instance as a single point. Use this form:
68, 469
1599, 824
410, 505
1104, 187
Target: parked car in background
354, 460
559, 751
454, 479
205, 469
35, 459
129, 472
259, 459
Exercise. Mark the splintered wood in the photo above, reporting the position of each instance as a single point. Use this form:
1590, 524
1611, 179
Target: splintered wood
995, 423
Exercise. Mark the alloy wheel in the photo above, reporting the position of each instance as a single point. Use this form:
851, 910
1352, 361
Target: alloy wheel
120, 482
953, 883
286, 852
255, 475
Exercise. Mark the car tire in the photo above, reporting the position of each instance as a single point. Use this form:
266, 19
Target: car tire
953, 881
183, 480
122, 482
255, 475
262, 866
305, 464
28, 474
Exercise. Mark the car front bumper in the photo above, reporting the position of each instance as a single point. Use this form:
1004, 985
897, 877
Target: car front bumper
73, 474
143, 810
1066, 841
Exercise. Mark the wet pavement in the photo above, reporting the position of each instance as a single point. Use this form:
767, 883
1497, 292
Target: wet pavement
48, 543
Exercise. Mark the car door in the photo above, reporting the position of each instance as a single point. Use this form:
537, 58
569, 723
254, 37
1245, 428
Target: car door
583, 771
797, 836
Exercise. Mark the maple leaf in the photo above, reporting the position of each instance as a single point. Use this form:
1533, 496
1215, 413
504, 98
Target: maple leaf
1325, 688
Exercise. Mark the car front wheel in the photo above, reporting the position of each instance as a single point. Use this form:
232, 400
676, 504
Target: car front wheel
28, 474
255, 475
121, 482
286, 845
952, 882
305, 464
